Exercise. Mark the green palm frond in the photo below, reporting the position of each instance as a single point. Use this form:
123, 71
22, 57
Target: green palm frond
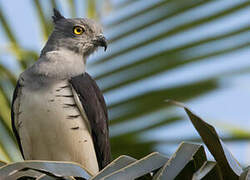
46, 25
188, 162
72, 7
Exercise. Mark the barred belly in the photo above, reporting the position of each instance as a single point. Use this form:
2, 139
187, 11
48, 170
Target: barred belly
52, 126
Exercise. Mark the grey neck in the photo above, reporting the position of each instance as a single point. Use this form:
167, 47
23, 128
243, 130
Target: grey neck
51, 45
57, 41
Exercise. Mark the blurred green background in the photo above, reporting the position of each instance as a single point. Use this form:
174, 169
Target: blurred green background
194, 51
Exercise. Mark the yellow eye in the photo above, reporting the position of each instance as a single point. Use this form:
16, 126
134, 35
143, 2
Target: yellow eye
78, 30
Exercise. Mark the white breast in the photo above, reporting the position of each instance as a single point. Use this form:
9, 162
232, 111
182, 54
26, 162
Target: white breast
52, 127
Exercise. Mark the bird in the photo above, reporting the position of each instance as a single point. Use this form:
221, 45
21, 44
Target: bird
58, 112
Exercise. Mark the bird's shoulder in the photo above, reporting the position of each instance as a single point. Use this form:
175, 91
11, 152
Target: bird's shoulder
87, 87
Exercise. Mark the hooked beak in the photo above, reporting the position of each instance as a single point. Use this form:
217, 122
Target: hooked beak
100, 40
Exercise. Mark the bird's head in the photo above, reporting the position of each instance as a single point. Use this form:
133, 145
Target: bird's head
80, 35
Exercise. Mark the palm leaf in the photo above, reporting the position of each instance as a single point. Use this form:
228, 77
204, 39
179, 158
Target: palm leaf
91, 9
72, 8
46, 27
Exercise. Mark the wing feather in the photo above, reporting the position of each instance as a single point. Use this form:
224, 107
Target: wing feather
14, 111
95, 107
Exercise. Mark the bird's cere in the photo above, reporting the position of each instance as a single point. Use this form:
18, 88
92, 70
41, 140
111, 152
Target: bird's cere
100, 40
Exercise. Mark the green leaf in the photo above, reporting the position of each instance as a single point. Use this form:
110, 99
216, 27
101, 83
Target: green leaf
3, 155
131, 146
139, 105
154, 125
91, 9
56, 169
155, 37
9, 149
183, 163
2, 163
168, 60
157, 12
72, 7
115, 165
245, 175
14, 44
230, 168
5, 109
53, 4
4, 71
209, 170
139, 168
41, 16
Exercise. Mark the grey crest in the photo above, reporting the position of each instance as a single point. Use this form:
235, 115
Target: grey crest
57, 16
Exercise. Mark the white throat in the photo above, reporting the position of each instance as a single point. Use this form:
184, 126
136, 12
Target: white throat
62, 63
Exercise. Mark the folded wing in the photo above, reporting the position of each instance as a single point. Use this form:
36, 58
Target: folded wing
92, 101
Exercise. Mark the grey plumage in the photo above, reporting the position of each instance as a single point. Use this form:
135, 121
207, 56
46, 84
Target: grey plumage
58, 112
57, 16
